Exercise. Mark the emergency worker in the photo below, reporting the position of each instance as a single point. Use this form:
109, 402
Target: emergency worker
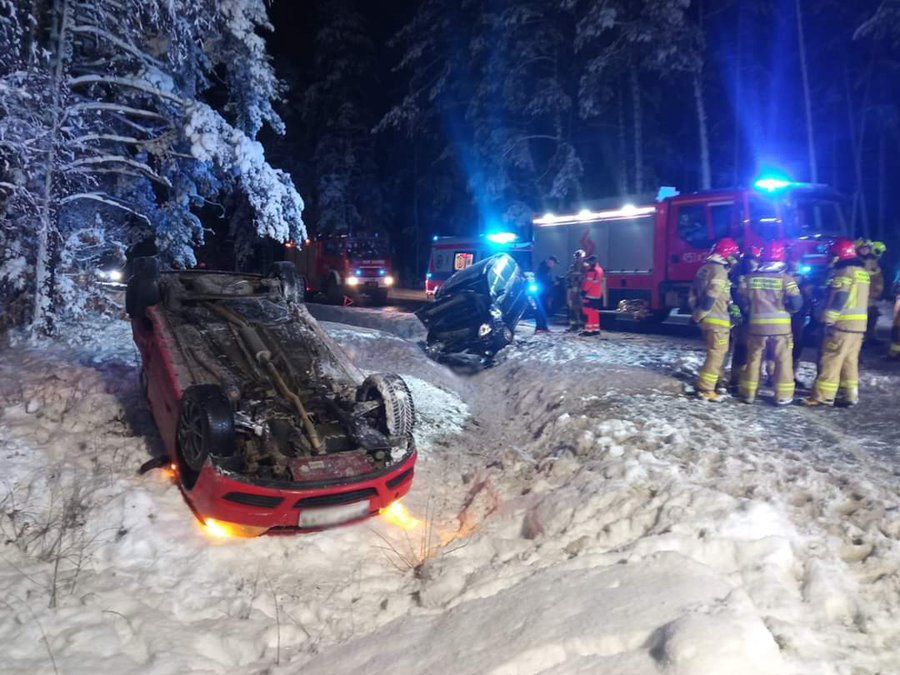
593, 288
768, 297
894, 352
748, 263
543, 299
870, 253
845, 316
710, 300
574, 279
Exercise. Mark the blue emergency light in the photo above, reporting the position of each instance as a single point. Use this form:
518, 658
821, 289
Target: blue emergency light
772, 183
533, 288
804, 269
501, 237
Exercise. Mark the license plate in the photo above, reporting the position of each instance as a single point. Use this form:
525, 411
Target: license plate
333, 515
371, 284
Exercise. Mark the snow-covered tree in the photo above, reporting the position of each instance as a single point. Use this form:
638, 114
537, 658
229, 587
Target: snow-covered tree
105, 133
347, 193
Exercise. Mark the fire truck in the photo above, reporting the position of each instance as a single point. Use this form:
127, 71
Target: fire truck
452, 254
652, 252
344, 266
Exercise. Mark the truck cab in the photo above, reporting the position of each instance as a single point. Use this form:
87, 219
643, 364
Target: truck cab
345, 266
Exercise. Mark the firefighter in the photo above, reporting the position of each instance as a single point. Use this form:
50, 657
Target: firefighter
710, 300
870, 253
543, 298
894, 352
593, 288
845, 317
749, 262
574, 279
768, 297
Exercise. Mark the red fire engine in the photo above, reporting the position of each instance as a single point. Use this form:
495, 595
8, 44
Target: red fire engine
345, 266
651, 253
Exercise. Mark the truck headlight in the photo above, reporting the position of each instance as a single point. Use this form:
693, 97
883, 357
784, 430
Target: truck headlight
352, 281
389, 281
484, 329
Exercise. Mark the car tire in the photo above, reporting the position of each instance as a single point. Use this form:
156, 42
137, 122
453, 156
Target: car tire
205, 428
143, 286
397, 416
293, 284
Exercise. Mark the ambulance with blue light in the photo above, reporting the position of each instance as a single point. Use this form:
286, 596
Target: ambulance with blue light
452, 254
651, 252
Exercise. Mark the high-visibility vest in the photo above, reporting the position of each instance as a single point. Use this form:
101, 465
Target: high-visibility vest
712, 283
851, 316
763, 295
593, 282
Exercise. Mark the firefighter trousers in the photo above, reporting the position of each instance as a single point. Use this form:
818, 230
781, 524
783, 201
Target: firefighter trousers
738, 353
780, 348
839, 368
713, 369
576, 312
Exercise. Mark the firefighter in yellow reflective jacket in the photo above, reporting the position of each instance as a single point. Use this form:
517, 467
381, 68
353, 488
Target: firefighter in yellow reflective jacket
711, 303
768, 297
845, 317
870, 253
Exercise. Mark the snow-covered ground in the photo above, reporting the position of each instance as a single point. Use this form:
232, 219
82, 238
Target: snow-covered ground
578, 514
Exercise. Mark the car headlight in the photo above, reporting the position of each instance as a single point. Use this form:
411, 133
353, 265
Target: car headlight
389, 281
352, 281
484, 329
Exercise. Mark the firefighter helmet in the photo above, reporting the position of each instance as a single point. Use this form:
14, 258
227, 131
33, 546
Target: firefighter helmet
861, 243
842, 249
774, 251
579, 253
878, 248
727, 248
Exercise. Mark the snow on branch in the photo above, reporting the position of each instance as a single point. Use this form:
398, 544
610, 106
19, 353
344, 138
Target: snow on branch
131, 82
104, 199
142, 168
121, 44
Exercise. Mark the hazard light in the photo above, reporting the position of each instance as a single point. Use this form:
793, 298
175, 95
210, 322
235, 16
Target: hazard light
501, 238
588, 216
772, 183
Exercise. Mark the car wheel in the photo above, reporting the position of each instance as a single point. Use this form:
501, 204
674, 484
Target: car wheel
293, 284
396, 417
143, 286
205, 427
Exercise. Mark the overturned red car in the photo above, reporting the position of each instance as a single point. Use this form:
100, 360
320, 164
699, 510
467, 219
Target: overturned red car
267, 424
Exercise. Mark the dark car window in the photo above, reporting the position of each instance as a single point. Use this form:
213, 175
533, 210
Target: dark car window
815, 216
334, 247
692, 228
722, 216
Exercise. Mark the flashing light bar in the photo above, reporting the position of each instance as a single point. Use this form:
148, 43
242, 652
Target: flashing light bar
771, 184
501, 237
588, 216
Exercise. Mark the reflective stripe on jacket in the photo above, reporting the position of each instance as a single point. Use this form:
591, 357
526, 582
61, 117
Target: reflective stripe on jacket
765, 294
711, 296
847, 308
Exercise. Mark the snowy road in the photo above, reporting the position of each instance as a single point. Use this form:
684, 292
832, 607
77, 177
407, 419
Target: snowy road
580, 514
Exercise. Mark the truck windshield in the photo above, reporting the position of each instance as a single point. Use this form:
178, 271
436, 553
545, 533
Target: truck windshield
367, 249
810, 216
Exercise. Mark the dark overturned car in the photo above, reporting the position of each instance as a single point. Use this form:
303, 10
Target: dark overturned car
266, 423
475, 312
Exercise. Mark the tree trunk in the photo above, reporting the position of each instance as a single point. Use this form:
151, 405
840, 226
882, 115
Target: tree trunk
624, 172
738, 95
705, 172
804, 72
856, 143
415, 208
880, 229
638, 132
41, 321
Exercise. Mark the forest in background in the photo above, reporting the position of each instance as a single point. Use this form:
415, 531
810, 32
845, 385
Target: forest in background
456, 116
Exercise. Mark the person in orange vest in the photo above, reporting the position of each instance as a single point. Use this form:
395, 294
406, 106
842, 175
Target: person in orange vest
593, 288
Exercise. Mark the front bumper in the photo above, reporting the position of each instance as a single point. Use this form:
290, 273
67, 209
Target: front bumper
259, 509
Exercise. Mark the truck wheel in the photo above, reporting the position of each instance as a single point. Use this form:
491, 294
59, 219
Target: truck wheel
293, 284
396, 417
205, 427
143, 286
380, 297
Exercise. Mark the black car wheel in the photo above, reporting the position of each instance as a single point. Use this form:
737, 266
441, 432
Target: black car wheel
143, 286
293, 284
205, 427
396, 417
